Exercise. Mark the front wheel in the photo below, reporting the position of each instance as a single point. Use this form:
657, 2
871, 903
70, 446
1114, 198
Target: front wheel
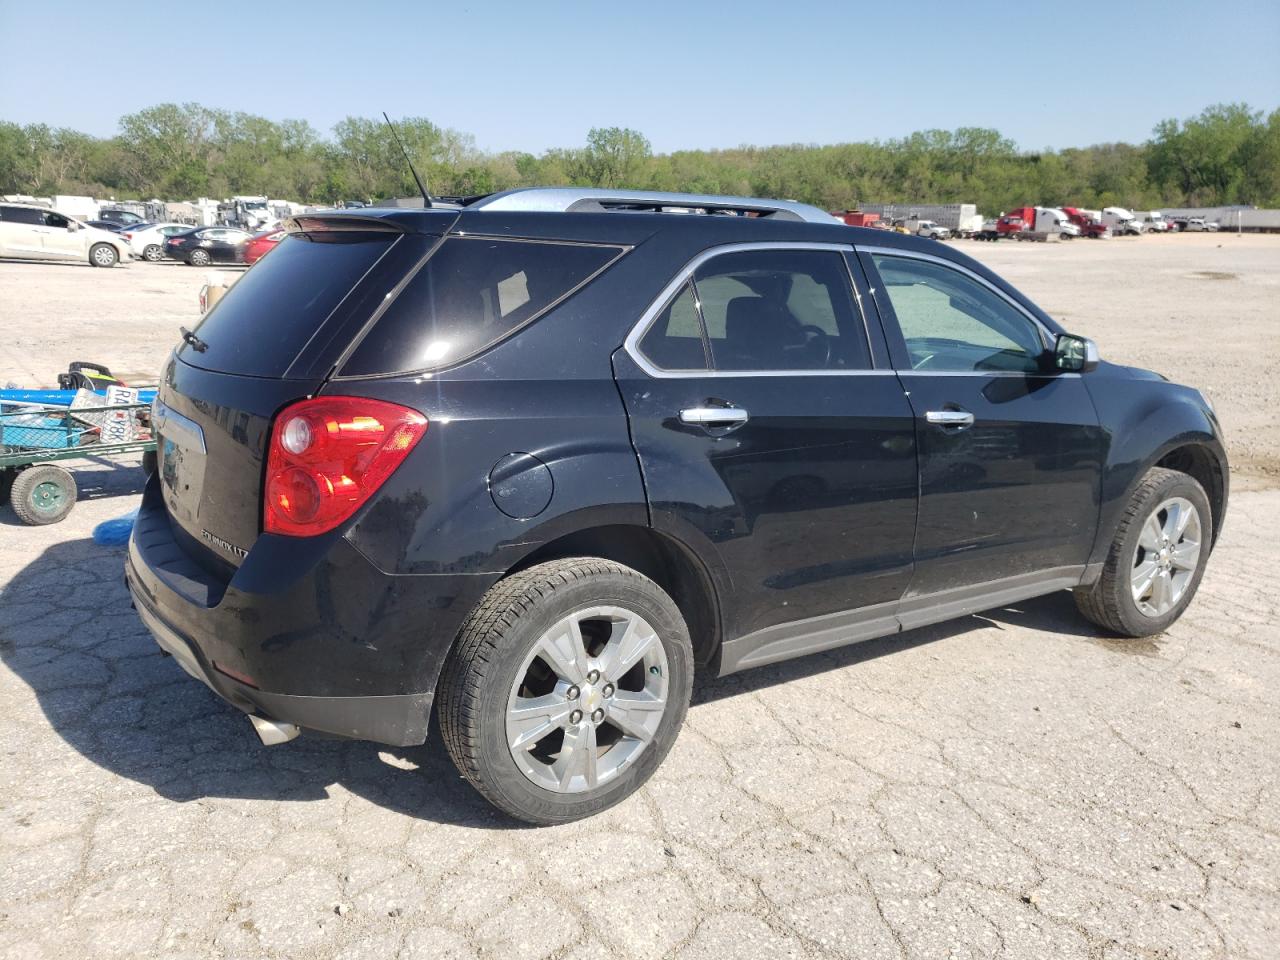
1156, 560
567, 687
103, 255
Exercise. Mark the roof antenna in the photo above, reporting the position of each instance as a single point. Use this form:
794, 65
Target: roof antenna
426, 197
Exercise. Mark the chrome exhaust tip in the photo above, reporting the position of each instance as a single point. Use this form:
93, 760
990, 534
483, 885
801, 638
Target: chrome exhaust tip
270, 732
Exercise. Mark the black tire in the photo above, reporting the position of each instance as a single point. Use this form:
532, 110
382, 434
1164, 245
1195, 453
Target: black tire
103, 255
43, 495
199, 258
152, 253
474, 687
1109, 601
150, 460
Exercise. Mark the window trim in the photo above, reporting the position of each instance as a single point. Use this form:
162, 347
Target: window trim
1047, 337
685, 275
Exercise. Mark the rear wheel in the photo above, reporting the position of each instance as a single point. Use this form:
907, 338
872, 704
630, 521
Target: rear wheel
103, 255
1156, 560
42, 495
152, 253
199, 258
566, 689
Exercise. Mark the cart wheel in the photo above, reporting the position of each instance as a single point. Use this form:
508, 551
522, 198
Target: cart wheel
43, 495
149, 462
7, 476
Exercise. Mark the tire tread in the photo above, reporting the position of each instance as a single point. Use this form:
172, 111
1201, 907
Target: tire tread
1101, 602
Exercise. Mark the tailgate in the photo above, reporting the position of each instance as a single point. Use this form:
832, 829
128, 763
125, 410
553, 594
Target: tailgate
211, 439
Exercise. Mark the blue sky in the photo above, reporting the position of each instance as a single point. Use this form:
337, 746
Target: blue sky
532, 75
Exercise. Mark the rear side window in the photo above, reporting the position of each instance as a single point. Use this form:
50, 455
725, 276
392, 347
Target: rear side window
21, 215
777, 310
262, 323
471, 293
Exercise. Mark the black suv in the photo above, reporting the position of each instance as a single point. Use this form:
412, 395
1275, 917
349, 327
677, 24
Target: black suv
538, 458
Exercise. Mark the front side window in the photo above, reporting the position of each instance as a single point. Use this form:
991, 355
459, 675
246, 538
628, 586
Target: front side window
780, 310
953, 323
55, 220
468, 295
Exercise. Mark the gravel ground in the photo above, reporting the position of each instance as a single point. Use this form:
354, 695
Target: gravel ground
1004, 785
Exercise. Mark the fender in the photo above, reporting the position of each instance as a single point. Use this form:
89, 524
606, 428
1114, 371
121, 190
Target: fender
1145, 418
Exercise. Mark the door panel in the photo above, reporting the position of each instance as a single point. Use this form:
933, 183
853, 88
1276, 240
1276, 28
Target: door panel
1016, 492
803, 493
59, 241
809, 506
1010, 453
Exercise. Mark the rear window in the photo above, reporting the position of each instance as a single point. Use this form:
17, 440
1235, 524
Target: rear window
262, 323
471, 293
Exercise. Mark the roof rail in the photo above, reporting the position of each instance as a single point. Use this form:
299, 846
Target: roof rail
597, 200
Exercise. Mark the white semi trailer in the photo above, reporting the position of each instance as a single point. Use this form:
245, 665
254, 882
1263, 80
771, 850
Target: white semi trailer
961, 219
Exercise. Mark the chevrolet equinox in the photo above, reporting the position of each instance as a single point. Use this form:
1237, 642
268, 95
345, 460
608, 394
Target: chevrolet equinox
536, 459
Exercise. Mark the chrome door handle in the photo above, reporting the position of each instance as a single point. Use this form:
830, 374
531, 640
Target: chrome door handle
713, 416
950, 418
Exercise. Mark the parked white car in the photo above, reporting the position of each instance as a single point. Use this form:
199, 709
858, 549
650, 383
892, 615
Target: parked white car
148, 242
30, 232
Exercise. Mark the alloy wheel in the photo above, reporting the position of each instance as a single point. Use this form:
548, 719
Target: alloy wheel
1166, 557
587, 700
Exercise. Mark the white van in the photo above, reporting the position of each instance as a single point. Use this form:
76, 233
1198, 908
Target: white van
29, 232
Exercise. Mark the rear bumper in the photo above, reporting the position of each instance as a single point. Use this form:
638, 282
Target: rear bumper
399, 720
305, 631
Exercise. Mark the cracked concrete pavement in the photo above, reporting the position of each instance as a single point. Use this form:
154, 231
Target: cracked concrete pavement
1006, 785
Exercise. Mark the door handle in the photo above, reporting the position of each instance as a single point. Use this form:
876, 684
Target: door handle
713, 416
950, 418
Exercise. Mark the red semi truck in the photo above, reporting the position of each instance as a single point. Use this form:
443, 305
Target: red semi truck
1090, 226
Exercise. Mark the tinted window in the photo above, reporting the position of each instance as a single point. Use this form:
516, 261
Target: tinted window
470, 294
674, 340
262, 323
21, 215
55, 220
952, 322
781, 310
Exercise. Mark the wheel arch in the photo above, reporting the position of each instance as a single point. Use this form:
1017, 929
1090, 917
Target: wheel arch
1199, 461
671, 564
1198, 453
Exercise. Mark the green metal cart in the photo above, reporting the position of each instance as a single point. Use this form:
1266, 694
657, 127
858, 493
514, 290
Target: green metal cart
35, 440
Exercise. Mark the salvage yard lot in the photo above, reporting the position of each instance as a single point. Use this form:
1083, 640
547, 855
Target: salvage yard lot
1008, 784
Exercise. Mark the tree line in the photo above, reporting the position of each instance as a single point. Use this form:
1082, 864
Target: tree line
1227, 154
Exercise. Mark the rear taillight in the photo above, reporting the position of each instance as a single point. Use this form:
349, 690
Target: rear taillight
328, 455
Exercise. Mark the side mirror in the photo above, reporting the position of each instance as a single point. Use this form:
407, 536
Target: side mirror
1075, 354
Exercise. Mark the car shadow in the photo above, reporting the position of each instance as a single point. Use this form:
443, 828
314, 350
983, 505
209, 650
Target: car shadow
67, 630
1055, 613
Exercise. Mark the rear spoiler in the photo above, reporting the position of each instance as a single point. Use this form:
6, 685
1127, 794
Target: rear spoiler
341, 223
